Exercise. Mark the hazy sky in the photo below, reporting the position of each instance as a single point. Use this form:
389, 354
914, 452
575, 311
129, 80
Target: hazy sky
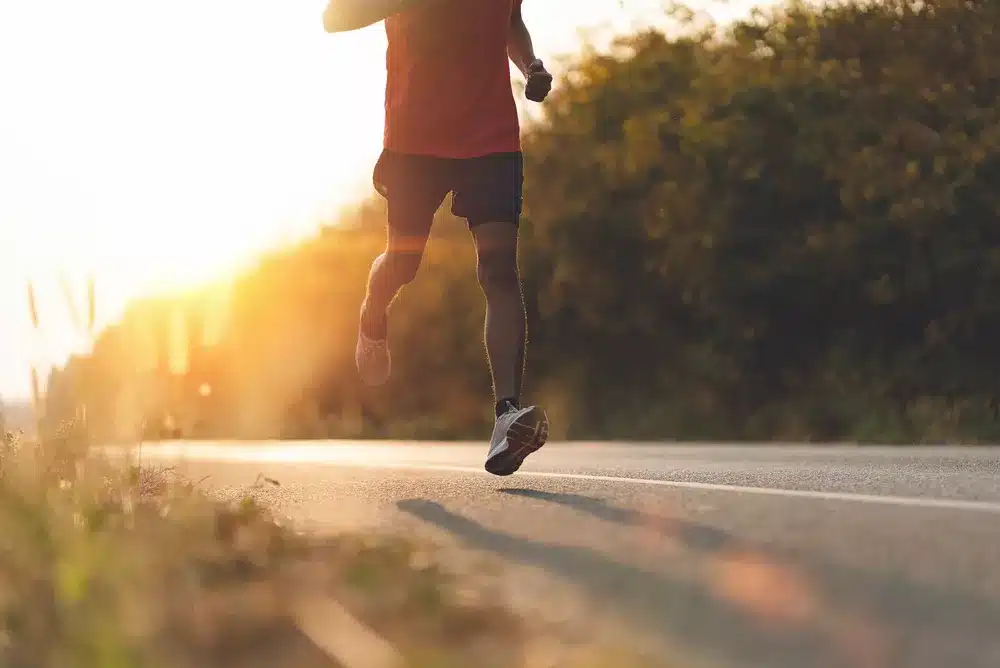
162, 144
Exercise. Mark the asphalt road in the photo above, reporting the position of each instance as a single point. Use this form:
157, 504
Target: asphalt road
756, 557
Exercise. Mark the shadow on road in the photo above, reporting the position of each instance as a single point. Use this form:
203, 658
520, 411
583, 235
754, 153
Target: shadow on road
694, 536
754, 605
684, 610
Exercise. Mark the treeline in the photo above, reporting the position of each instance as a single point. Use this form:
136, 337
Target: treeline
787, 228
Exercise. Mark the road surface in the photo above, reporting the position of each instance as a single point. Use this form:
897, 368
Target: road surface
743, 556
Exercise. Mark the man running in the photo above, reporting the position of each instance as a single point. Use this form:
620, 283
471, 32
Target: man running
451, 126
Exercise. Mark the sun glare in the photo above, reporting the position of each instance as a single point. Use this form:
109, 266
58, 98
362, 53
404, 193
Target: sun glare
165, 145
155, 147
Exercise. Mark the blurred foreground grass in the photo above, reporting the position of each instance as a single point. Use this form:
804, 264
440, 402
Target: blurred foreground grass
117, 565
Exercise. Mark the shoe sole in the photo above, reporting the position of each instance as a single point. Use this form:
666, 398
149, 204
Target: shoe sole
525, 435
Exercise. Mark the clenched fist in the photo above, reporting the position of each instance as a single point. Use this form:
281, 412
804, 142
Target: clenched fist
539, 82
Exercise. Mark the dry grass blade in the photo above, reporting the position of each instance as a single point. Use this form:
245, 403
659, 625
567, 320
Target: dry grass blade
36, 391
33, 306
91, 306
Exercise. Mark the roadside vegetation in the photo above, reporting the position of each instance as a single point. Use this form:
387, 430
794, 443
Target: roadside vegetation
115, 565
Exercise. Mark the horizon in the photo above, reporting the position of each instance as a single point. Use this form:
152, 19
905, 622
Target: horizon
116, 163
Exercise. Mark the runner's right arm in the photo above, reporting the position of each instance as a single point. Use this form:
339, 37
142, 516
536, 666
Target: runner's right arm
346, 15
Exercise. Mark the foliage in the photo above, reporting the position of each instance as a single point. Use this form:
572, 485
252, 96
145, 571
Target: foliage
790, 224
785, 228
115, 566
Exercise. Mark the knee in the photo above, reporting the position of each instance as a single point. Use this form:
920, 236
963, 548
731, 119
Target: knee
498, 273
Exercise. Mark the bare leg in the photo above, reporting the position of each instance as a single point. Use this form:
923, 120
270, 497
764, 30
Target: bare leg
390, 271
519, 431
505, 329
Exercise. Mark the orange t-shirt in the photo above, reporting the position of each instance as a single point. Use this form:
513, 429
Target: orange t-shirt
448, 91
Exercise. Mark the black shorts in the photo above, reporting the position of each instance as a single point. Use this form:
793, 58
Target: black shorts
486, 189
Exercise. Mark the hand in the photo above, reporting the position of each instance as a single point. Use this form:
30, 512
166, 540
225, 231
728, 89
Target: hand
539, 82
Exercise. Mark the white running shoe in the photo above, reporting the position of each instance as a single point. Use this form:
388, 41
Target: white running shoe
372, 359
518, 433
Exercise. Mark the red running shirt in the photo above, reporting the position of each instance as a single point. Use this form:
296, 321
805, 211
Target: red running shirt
448, 92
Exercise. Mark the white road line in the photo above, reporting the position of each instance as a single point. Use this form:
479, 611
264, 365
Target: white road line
913, 501
236, 454
342, 637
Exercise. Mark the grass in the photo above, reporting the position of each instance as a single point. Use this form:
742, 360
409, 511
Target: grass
105, 565
115, 567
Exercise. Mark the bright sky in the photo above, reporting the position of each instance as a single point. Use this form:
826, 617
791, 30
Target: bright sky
162, 144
